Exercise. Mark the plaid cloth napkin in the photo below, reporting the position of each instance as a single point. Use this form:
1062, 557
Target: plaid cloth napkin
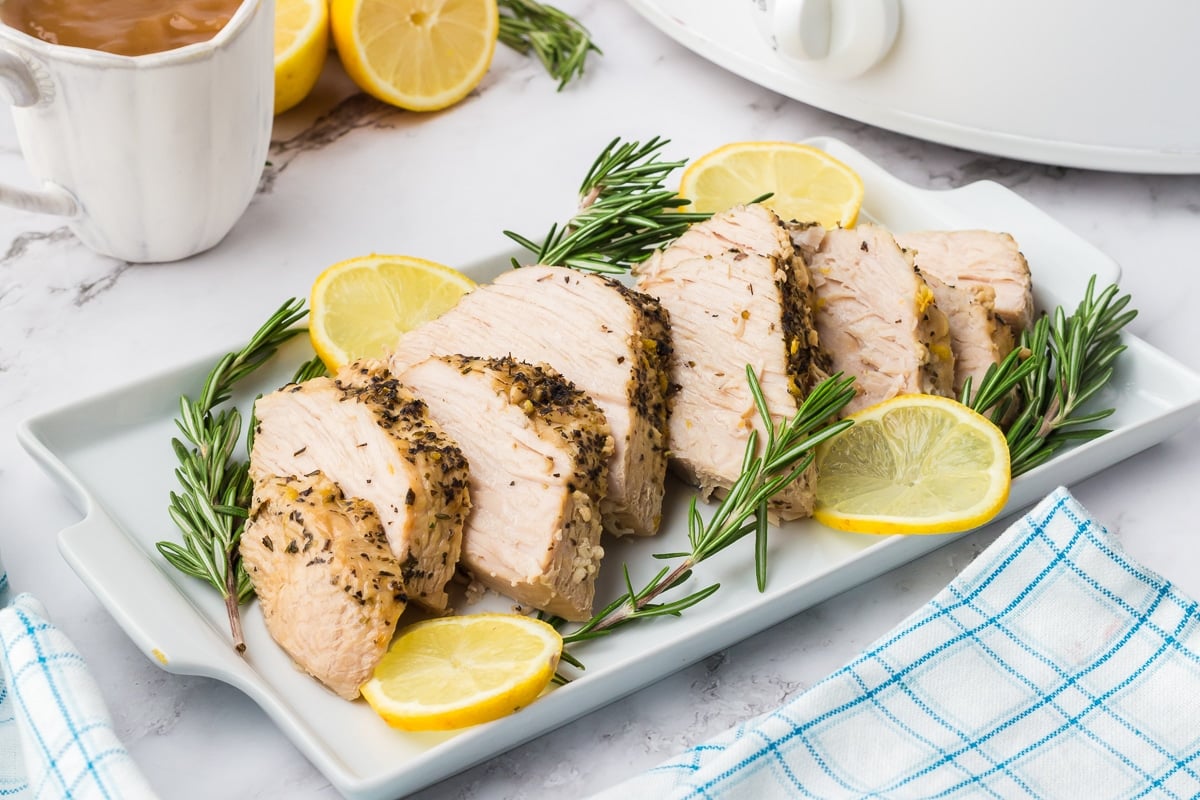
1054, 666
56, 738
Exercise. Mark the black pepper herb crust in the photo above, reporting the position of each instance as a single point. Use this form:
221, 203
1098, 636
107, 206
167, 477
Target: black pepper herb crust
651, 390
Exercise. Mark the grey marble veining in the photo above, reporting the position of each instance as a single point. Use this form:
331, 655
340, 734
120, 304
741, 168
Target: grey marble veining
348, 176
357, 111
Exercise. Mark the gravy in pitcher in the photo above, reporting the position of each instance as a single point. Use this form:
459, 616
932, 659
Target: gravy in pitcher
124, 27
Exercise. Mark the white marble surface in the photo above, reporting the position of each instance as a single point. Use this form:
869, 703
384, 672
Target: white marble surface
347, 177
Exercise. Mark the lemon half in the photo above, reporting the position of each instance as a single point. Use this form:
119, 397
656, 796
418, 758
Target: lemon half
301, 45
421, 55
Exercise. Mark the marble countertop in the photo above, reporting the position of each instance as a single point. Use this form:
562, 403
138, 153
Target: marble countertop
348, 176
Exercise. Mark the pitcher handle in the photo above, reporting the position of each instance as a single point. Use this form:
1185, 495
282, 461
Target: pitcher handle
17, 79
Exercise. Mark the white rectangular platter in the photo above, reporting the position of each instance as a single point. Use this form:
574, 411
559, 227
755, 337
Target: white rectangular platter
181, 624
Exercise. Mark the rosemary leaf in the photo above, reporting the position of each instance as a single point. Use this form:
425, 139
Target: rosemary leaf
558, 40
313, 368
787, 452
760, 547
211, 509
625, 212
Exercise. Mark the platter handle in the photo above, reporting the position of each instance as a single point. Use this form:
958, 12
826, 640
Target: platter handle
173, 631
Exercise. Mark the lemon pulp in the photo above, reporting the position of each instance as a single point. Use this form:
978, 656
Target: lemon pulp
913, 464
362, 306
452, 672
806, 183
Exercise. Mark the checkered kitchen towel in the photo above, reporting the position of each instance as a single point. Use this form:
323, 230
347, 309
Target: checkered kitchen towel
56, 738
1054, 666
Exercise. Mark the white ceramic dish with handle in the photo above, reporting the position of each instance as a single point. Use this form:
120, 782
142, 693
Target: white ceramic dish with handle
181, 624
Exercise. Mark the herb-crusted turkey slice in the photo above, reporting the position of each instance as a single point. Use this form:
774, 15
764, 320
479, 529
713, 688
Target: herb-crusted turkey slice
878, 319
737, 294
608, 340
538, 448
374, 439
326, 578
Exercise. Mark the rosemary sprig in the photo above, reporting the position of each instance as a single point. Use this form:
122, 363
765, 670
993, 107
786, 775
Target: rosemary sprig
997, 393
787, 452
212, 508
313, 368
558, 40
625, 212
1060, 363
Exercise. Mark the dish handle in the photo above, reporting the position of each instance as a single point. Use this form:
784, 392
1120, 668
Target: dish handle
152, 608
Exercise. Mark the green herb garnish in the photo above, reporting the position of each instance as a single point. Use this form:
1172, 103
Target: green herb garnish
625, 212
558, 40
1059, 364
213, 506
788, 452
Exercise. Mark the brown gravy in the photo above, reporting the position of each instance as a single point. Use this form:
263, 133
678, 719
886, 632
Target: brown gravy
125, 27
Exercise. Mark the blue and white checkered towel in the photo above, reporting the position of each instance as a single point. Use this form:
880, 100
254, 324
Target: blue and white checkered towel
56, 738
1054, 666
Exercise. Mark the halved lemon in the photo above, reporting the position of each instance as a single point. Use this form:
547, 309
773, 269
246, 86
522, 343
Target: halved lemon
359, 308
807, 184
301, 45
452, 672
913, 464
422, 55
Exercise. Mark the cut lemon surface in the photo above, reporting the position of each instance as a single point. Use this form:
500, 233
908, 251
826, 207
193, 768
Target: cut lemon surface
361, 307
301, 45
807, 184
416, 54
453, 672
913, 464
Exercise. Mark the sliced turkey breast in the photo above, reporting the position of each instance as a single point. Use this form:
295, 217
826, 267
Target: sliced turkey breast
608, 340
737, 294
539, 450
977, 336
326, 578
877, 318
806, 238
374, 439
972, 258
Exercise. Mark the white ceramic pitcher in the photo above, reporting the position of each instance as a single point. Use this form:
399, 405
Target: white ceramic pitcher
150, 158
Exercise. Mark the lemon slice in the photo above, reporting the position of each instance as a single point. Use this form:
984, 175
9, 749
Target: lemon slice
416, 54
453, 672
361, 307
913, 464
301, 44
808, 184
